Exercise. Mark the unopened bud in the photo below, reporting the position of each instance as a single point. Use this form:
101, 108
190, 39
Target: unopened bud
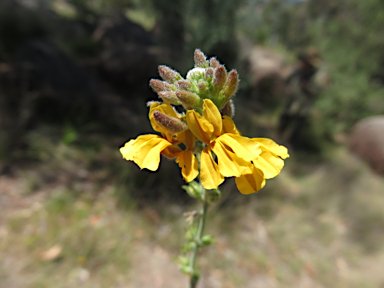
220, 77
209, 73
171, 124
214, 63
168, 74
200, 59
169, 97
202, 86
183, 84
213, 197
230, 86
188, 99
149, 103
159, 86
229, 109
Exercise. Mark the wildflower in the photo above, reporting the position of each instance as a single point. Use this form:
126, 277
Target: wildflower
206, 94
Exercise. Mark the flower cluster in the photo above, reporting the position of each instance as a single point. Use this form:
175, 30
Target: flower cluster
204, 140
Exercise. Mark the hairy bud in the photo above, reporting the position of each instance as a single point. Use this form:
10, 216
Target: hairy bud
169, 97
220, 77
159, 86
209, 73
200, 59
183, 84
214, 62
230, 86
168, 74
229, 109
171, 124
202, 86
188, 99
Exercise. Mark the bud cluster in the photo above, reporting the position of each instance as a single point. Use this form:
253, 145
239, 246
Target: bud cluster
207, 80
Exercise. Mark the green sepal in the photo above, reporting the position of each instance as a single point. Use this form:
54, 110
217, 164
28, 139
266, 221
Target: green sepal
207, 240
214, 195
194, 190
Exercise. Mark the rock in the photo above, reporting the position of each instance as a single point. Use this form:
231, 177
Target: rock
367, 142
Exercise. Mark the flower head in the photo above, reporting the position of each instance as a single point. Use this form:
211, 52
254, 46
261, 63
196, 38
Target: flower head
222, 152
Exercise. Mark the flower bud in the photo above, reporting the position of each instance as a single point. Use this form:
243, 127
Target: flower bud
159, 86
202, 86
214, 63
200, 59
171, 124
209, 73
149, 103
230, 86
194, 190
220, 77
213, 197
169, 97
183, 84
229, 109
169, 75
188, 99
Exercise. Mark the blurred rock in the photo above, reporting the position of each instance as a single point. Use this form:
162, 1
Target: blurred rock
367, 142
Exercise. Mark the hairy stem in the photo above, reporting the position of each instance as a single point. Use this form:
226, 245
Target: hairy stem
199, 235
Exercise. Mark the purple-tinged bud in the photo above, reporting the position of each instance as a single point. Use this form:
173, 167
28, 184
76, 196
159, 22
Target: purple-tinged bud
209, 73
149, 103
202, 86
230, 86
188, 99
214, 62
159, 86
168, 74
200, 59
220, 77
169, 97
183, 85
229, 109
171, 124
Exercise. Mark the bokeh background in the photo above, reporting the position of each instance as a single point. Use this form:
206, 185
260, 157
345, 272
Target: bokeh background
73, 88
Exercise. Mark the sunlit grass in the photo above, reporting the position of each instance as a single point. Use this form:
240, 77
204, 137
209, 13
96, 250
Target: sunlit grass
319, 224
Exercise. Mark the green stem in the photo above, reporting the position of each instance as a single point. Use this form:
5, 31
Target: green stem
194, 274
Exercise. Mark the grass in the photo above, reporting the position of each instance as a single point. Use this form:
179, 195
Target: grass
319, 224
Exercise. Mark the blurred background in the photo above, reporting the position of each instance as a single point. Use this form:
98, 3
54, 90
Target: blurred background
74, 80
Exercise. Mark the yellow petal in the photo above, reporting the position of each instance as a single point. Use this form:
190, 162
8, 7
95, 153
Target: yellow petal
199, 126
188, 164
229, 163
213, 116
210, 176
273, 147
229, 126
172, 151
130, 148
243, 147
250, 183
187, 138
270, 164
145, 151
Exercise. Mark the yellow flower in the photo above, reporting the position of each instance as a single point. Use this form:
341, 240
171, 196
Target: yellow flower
228, 154
145, 150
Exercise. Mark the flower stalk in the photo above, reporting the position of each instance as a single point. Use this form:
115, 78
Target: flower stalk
194, 276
